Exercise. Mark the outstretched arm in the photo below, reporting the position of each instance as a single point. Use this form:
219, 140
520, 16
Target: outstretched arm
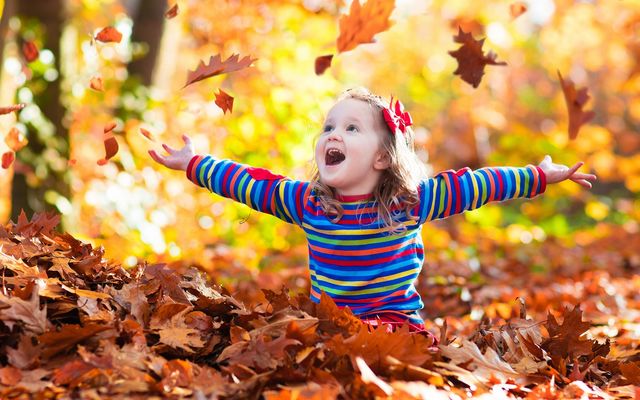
255, 187
558, 172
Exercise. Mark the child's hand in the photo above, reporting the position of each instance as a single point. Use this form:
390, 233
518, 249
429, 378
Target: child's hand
177, 159
557, 173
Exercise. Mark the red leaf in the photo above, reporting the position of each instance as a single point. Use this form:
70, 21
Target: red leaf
8, 109
72, 162
173, 11
109, 127
575, 99
363, 23
471, 59
96, 84
30, 51
217, 67
322, 63
15, 139
7, 159
147, 134
110, 143
224, 101
517, 9
109, 34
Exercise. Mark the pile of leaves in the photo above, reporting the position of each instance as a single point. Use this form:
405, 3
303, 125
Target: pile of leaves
73, 324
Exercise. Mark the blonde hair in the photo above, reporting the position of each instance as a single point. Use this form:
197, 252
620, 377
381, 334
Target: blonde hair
398, 185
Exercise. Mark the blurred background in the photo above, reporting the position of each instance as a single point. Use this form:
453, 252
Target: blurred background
140, 211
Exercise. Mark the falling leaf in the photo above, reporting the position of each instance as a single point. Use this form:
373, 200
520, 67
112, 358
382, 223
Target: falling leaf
517, 9
224, 101
8, 109
363, 23
15, 139
217, 67
322, 63
173, 11
110, 143
7, 159
109, 34
96, 84
471, 59
72, 162
30, 51
575, 100
147, 134
109, 127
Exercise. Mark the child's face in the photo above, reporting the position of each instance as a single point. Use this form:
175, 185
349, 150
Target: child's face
349, 154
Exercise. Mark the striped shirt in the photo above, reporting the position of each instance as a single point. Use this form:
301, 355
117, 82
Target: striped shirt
356, 260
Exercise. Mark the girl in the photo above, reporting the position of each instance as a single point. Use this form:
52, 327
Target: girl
363, 210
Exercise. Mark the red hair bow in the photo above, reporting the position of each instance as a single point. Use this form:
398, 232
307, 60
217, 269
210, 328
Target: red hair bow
397, 119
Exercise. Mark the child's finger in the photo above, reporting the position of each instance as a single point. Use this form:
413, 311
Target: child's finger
156, 157
573, 169
583, 182
187, 139
580, 175
168, 149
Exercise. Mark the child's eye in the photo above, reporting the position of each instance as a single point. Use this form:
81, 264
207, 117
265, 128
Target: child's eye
352, 128
327, 128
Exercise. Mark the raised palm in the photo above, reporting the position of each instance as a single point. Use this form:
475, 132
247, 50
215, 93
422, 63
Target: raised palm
559, 172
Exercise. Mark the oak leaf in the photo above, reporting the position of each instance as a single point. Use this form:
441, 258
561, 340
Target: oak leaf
564, 340
471, 59
217, 67
30, 51
224, 101
575, 100
14, 310
322, 63
109, 34
363, 23
484, 366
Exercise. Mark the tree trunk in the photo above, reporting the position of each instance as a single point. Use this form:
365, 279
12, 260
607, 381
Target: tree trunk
148, 24
49, 15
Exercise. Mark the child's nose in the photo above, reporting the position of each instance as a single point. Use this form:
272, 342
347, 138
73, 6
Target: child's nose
335, 135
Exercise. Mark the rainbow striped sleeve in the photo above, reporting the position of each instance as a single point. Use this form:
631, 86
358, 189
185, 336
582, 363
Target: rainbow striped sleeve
453, 192
256, 187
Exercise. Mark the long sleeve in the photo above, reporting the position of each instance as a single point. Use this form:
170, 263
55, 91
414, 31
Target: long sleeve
453, 192
256, 187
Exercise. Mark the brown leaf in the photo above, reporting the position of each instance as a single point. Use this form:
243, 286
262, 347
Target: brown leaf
27, 313
26, 355
147, 134
172, 12
368, 376
109, 34
631, 372
484, 366
471, 59
71, 373
110, 143
217, 67
15, 139
10, 376
332, 317
258, 353
96, 83
7, 159
169, 282
564, 340
67, 337
30, 51
517, 9
9, 109
177, 373
363, 23
224, 101
575, 100
322, 63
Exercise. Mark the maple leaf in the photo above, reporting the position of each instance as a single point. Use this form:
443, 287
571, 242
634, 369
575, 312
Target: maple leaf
575, 100
471, 59
109, 34
517, 9
9, 109
172, 12
96, 83
224, 101
27, 313
322, 63
169, 282
30, 51
363, 23
15, 139
564, 340
8, 158
217, 67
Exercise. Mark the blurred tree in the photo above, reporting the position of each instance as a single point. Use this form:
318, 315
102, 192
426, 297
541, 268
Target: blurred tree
148, 24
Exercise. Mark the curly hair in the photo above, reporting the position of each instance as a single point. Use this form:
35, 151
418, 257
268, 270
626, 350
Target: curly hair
398, 185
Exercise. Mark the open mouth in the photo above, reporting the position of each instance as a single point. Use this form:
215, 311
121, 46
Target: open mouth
333, 157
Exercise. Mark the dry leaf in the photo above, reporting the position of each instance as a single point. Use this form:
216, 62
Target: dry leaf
147, 134
96, 83
363, 23
8, 109
517, 9
30, 51
172, 12
471, 59
217, 67
224, 101
575, 100
322, 63
109, 34
110, 144
7, 159
15, 139
564, 340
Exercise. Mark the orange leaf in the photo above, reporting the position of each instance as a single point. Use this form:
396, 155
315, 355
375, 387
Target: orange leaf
173, 11
109, 127
147, 134
8, 109
471, 59
15, 139
322, 63
7, 159
564, 340
217, 67
109, 34
72, 162
575, 99
517, 9
30, 51
364, 22
110, 143
224, 101
96, 84
10, 376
